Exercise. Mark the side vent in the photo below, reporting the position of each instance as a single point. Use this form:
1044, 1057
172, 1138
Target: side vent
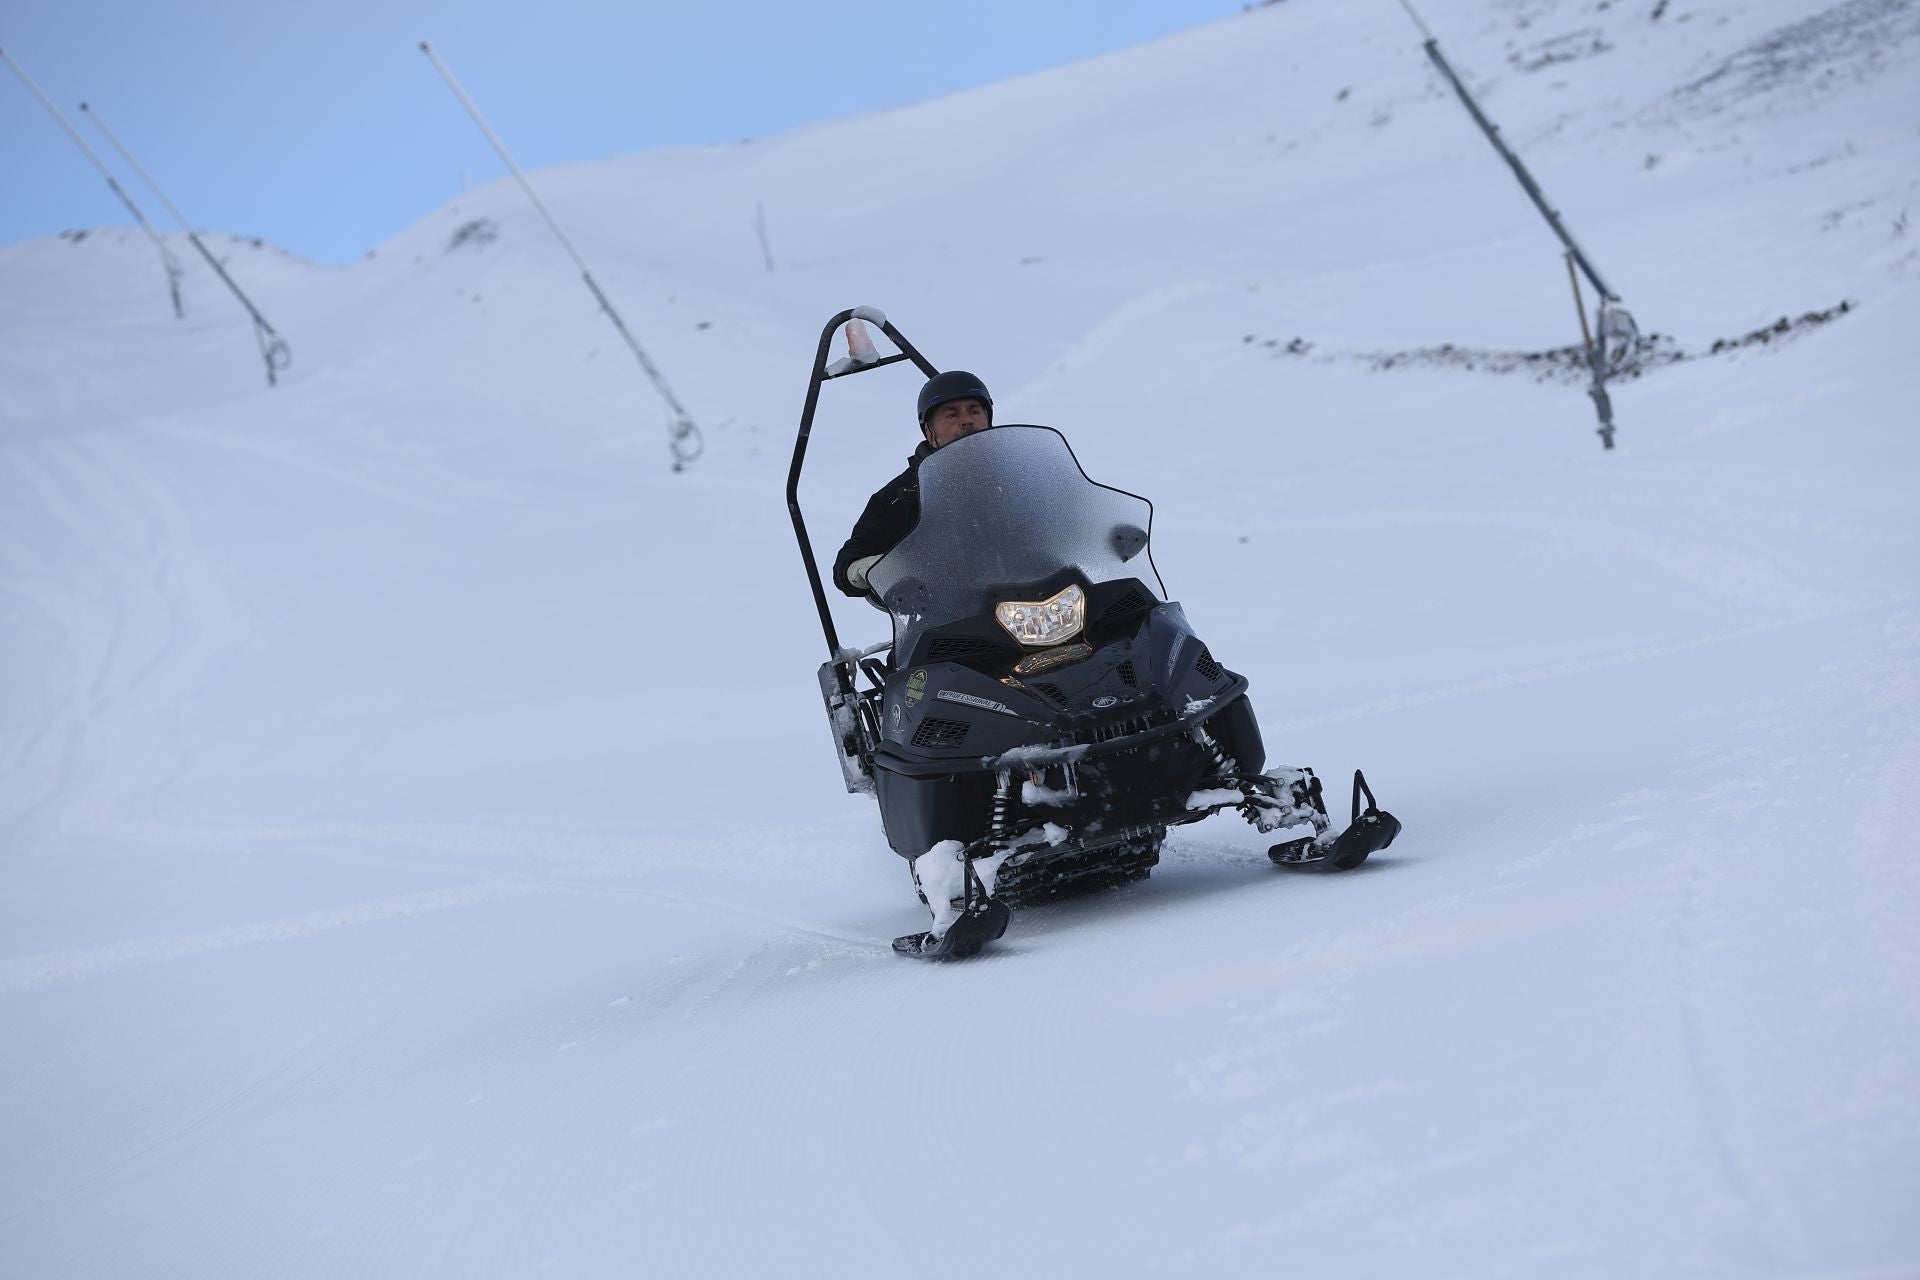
1125, 672
940, 734
953, 648
1132, 602
1206, 666
1053, 691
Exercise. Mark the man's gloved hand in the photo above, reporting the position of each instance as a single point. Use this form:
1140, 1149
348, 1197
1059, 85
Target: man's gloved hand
858, 570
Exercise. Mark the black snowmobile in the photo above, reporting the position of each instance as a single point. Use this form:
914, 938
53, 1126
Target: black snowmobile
1043, 712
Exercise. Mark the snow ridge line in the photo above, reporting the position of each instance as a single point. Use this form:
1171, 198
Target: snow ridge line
1573, 667
28, 972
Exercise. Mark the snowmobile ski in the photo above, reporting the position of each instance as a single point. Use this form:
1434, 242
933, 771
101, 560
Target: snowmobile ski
974, 928
980, 918
1371, 830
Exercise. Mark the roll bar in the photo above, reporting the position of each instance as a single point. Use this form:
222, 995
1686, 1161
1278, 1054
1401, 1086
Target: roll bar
861, 358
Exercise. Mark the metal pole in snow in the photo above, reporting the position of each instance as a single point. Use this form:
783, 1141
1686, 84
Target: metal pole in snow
1596, 359
1612, 319
760, 226
683, 437
171, 263
273, 348
1492, 132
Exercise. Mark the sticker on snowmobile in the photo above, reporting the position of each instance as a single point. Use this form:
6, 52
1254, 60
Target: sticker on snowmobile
916, 686
1105, 700
985, 704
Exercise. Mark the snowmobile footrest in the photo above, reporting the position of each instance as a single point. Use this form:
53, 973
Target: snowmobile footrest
979, 924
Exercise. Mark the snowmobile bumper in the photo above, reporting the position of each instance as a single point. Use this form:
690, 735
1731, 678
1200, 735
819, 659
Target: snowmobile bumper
1099, 776
888, 757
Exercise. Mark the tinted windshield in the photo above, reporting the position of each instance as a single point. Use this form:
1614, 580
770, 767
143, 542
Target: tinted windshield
1001, 512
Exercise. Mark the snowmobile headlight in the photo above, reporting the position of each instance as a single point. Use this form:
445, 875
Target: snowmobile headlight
1043, 622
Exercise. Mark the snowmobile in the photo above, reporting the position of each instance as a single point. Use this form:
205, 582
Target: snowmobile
1042, 712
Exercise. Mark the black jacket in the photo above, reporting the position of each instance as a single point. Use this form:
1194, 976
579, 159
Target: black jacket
890, 515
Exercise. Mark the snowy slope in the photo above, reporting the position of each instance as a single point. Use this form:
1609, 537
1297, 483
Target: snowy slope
423, 853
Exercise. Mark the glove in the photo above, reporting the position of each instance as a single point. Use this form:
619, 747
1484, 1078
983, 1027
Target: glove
858, 570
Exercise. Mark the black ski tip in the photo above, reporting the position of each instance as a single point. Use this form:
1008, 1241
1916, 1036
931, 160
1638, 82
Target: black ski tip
974, 929
1373, 832
1391, 827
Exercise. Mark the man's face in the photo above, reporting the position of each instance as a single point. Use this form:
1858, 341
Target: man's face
956, 418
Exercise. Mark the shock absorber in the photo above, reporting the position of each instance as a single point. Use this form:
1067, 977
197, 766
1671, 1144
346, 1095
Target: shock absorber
1223, 764
1002, 799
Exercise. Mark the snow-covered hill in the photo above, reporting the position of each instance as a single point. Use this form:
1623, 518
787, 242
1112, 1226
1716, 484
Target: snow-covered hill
422, 848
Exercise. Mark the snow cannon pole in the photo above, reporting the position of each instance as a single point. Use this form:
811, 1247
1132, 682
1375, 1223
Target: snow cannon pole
683, 437
1596, 360
760, 228
273, 348
1612, 318
167, 260
1492, 132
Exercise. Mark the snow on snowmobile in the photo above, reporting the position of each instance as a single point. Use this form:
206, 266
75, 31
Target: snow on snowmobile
1043, 712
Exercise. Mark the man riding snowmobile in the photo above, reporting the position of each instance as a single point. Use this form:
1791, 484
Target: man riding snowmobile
952, 405
1046, 712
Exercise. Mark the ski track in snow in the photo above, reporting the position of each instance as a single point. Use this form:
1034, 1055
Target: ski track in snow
1714, 570
28, 972
1393, 703
165, 622
229, 1105
1103, 336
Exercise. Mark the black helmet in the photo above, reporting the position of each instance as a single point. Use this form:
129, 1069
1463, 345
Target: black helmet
953, 385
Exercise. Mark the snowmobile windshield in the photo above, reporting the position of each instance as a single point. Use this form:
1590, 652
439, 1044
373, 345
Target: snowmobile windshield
1008, 514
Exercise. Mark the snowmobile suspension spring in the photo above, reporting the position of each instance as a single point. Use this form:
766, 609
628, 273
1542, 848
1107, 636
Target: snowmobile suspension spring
1222, 766
1002, 798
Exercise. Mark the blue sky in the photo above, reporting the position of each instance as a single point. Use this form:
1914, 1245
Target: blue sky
324, 129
